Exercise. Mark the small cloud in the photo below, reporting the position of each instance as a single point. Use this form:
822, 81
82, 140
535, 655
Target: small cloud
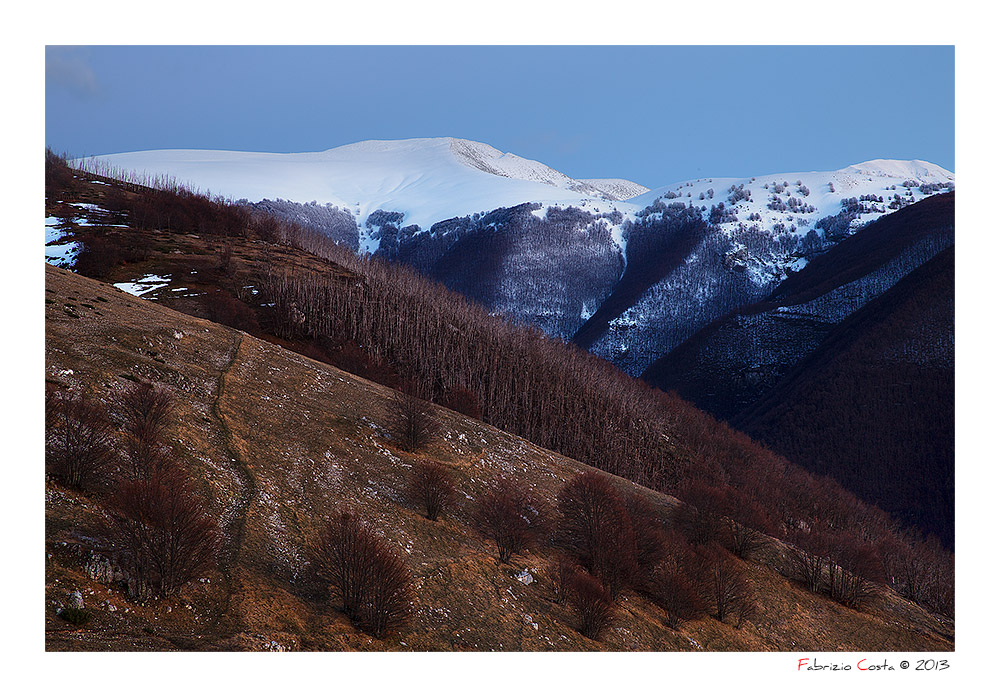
66, 67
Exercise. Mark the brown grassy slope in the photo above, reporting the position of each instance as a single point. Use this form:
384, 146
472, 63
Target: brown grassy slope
276, 441
191, 262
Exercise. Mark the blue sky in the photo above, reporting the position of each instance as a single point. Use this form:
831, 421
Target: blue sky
653, 114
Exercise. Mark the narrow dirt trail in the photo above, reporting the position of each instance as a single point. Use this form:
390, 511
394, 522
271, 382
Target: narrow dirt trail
233, 533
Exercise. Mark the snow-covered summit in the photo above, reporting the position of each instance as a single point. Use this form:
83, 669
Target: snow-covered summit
424, 181
919, 170
427, 179
796, 202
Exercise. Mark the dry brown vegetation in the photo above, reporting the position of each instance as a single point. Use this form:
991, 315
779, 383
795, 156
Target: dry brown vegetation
274, 442
160, 535
431, 487
594, 526
509, 514
79, 439
592, 603
368, 578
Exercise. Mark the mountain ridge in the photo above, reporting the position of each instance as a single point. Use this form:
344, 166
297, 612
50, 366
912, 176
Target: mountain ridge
424, 200
385, 170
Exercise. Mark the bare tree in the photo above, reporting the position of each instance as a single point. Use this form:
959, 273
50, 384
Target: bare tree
747, 522
594, 526
370, 580
677, 595
431, 486
387, 601
855, 571
145, 407
649, 530
79, 439
724, 582
342, 556
920, 569
723, 514
146, 412
592, 603
698, 524
414, 426
674, 586
808, 557
744, 539
162, 534
509, 515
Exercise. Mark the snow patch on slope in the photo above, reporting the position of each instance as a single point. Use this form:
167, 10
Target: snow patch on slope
141, 286
488, 159
57, 252
794, 202
617, 189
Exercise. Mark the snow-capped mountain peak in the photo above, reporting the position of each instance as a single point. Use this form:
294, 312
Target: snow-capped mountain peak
918, 170
426, 179
488, 159
423, 181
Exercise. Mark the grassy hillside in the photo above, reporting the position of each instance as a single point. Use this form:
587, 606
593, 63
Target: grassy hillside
274, 441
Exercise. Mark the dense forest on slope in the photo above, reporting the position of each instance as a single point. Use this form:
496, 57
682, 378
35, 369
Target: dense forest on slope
392, 325
889, 437
874, 405
546, 269
656, 247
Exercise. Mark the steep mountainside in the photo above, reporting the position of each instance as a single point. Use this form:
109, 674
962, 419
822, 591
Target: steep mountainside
550, 250
874, 405
276, 441
550, 271
757, 232
728, 364
763, 358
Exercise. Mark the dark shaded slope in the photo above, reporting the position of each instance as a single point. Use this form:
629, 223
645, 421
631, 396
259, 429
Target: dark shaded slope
473, 265
730, 363
543, 271
864, 252
727, 365
654, 250
874, 405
